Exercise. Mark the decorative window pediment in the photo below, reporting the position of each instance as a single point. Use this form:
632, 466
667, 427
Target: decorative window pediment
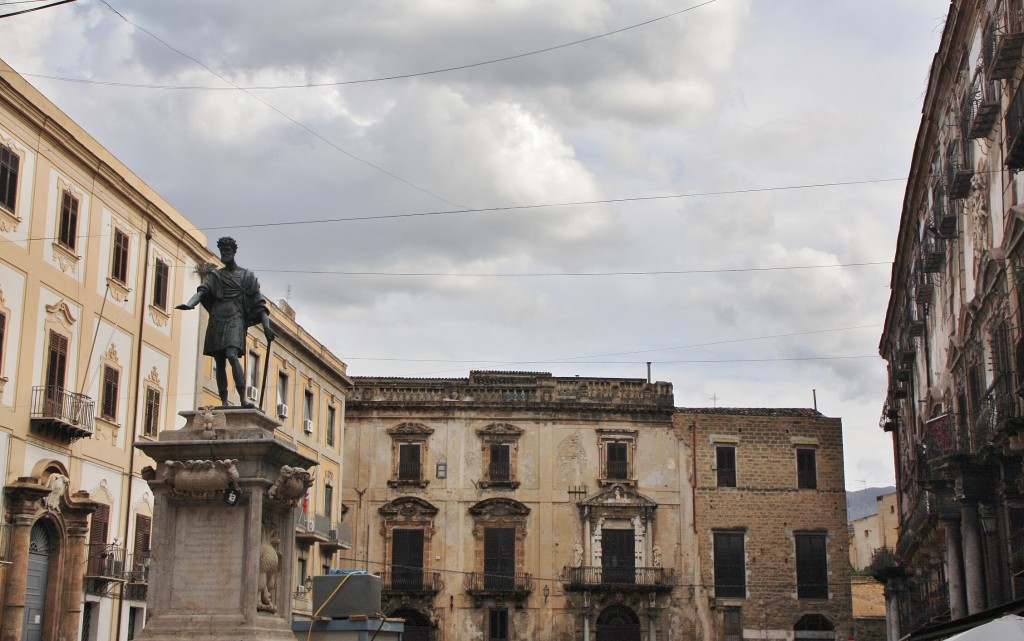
407, 507
410, 429
500, 455
500, 431
409, 450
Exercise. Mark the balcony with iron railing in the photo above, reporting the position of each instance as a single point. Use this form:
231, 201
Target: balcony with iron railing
61, 414
601, 579
1015, 130
105, 565
945, 216
410, 581
136, 576
933, 254
980, 107
1003, 41
311, 528
922, 602
959, 171
480, 584
617, 470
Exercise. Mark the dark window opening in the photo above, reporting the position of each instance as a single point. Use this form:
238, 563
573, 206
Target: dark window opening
161, 282
56, 371
331, 415
730, 567
618, 556
807, 468
497, 624
811, 566
618, 461
732, 625
499, 558
500, 465
108, 403
119, 264
9, 163
407, 559
725, 465
409, 461
67, 234
151, 418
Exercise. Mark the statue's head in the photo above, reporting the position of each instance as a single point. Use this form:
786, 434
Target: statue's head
227, 247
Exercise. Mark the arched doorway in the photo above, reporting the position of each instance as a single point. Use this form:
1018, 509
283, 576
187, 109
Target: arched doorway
417, 626
39, 549
618, 623
814, 626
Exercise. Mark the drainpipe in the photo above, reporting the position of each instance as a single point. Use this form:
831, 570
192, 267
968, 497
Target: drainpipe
135, 391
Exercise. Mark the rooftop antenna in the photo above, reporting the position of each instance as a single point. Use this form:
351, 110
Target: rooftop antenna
714, 399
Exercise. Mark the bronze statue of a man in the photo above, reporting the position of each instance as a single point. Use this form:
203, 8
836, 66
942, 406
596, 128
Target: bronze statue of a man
232, 297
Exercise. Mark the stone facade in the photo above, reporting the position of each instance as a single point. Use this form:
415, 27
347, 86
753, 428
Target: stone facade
769, 510
952, 336
592, 482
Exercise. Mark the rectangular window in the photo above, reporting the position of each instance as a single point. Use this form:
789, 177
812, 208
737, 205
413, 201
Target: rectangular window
500, 466
151, 418
98, 528
618, 556
56, 371
730, 566
497, 624
3, 335
408, 461
9, 163
499, 558
67, 234
119, 263
282, 389
331, 415
407, 559
618, 463
300, 574
732, 625
252, 370
161, 283
806, 468
725, 465
811, 566
108, 403
143, 528
328, 501
307, 406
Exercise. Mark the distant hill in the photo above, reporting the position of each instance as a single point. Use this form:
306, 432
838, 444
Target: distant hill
862, 502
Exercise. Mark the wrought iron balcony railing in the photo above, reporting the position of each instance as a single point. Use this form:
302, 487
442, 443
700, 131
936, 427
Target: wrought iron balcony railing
61, 413
480, 583
980, 107
1003, 40
582, 578
921, 602
106, 561
1015, 130
411, 580
618, 469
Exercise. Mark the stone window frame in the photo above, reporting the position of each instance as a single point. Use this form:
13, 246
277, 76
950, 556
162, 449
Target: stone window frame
725, 440
161, 288
407, 513
152, 390
799, 444
823, 536
110, 361
499, 512
728, 598
409, 433
500, 434
9, 219
65, 248
609, 435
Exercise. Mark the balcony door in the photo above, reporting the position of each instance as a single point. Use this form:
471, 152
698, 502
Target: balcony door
407, 559
499, 558
618, 556
56, 372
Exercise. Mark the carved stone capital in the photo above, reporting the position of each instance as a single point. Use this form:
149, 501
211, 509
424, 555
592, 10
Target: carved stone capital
199, 479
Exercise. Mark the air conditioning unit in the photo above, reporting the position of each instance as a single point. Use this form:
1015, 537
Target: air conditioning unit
282, 410
252, 393
332, 535
307, 426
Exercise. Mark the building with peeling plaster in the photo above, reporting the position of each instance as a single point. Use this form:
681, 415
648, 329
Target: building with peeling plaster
519, 505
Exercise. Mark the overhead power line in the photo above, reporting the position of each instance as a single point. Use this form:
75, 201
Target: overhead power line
340, 83
279, 112
47, 6
479, 210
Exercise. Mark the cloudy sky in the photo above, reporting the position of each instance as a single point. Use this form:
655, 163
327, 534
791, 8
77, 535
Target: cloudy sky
666, 192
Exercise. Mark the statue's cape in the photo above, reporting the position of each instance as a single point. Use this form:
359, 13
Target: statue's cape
222, 285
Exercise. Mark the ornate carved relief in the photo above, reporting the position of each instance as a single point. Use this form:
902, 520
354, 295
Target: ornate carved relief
154, 376
200, 479
290, 486
58, 484
60, 312
270, 565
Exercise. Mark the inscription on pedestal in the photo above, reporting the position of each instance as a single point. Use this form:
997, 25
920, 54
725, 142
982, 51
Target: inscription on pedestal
208, 556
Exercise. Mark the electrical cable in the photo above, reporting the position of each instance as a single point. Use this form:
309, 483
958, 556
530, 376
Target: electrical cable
18, 13
380, 79
279, 112
479, 210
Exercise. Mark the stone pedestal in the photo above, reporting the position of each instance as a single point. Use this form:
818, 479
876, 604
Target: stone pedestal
221, 571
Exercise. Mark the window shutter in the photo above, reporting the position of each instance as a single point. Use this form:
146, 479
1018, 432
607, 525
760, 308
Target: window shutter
143, 528
56, 366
